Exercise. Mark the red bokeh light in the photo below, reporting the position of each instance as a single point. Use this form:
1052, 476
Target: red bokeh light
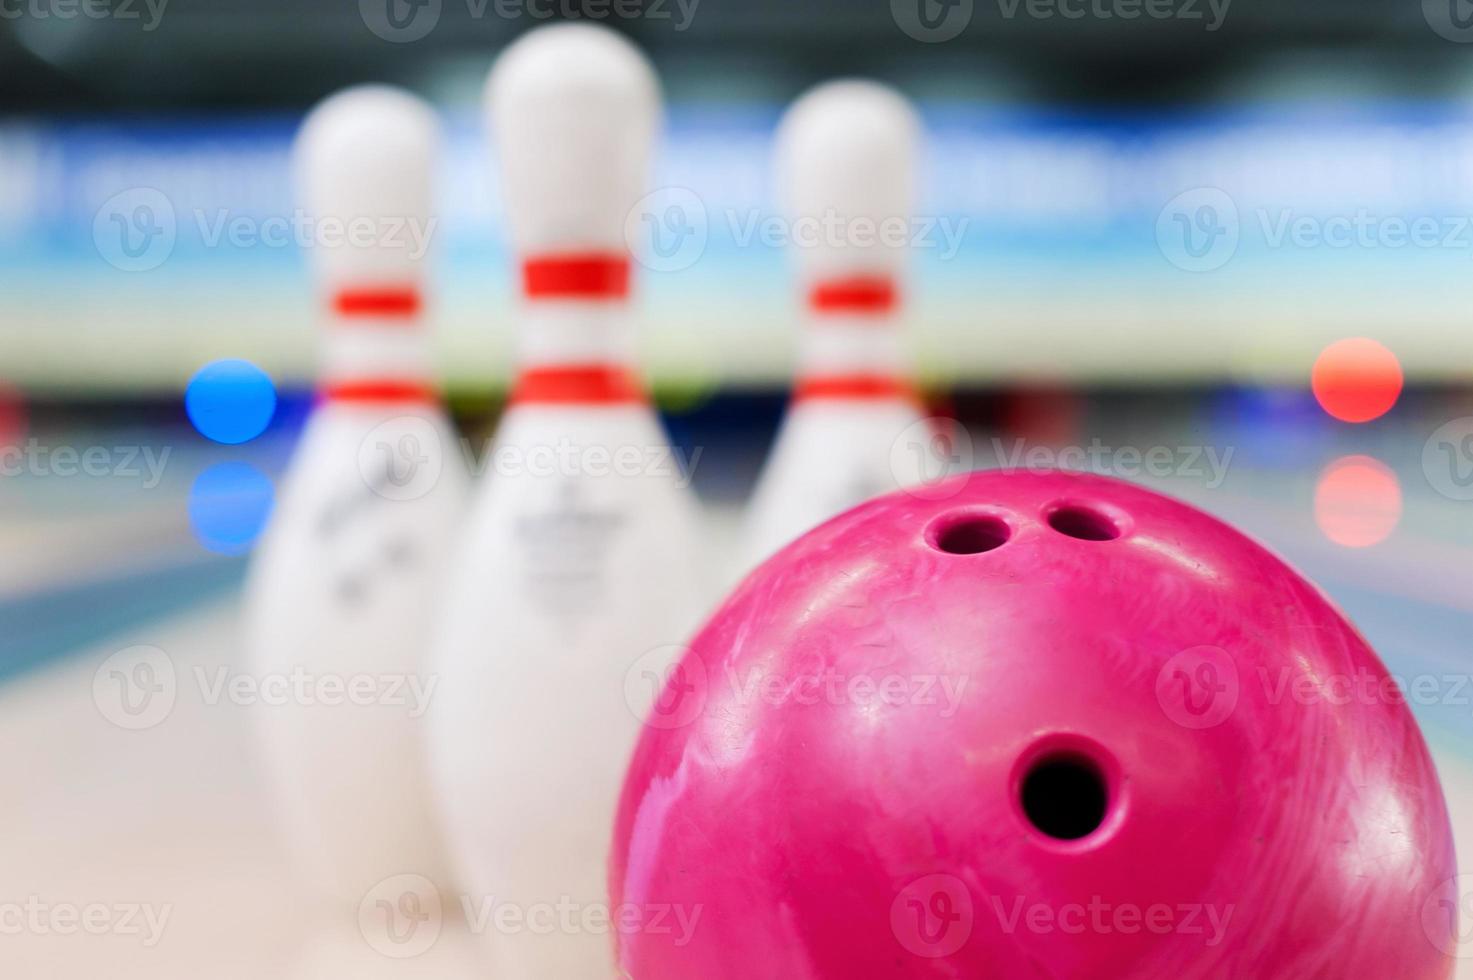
1357, 503
1357, 379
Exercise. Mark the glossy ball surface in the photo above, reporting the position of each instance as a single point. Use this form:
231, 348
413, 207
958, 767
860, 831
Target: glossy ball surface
1031, 726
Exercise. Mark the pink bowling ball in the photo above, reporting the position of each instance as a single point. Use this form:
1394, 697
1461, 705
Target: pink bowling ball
1031, 726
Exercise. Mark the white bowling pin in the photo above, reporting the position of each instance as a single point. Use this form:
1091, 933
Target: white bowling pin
580, 569
845, 162
342, 593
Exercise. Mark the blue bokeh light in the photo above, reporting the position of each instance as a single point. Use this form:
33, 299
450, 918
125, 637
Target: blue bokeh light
230, 401
1269, 427
229, 505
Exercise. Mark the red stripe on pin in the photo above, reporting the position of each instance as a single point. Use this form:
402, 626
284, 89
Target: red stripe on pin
583, 276
379, 391
864, 294
591, 384
392, 301
864, 387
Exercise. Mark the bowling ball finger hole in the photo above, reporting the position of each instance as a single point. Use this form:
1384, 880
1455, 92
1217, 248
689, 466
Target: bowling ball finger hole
969, 534
1084, 522
1065, 796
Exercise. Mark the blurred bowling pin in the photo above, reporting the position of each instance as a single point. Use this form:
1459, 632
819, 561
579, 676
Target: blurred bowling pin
580, 560
343, 589
845, 159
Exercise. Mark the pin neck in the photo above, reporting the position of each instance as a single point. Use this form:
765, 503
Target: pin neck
576, 347
586, 276
374, 351
854, 386
854, 296
393, 303
381, 392
851, 348
589, 384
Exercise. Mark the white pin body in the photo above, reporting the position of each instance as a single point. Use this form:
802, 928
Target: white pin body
580, 572
576, 583
845, 153
343, 592
831, 455
345, 581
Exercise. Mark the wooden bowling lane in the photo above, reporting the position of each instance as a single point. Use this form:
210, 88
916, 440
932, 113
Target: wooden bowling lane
166, 827
104, 550
87, 573
168, 818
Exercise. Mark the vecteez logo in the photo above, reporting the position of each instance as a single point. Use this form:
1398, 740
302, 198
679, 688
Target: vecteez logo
403, 458
1199, 230
1211, 14
400, 21
1198, 688
932, 21
402, 917
667, 229
1450, 19
1447, 917
933, 916
1447, 459
406, 21
135, 230
149, 13
136, 688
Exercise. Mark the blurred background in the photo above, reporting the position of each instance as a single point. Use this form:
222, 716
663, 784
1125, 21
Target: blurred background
1145, 228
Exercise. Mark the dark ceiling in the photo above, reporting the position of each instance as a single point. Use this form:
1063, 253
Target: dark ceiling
212, 54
